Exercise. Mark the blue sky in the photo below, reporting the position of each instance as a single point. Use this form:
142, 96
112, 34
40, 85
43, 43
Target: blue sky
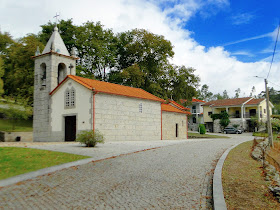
227, 22
206, 34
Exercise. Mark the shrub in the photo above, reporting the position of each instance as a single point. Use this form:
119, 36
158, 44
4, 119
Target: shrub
90, 138
275, 123
215, 116
235, 125
202, 129
224, 120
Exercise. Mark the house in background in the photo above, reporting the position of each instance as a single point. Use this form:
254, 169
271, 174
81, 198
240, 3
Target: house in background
196, 110
240, 111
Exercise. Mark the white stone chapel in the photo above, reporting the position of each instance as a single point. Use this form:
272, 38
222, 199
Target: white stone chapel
65, 104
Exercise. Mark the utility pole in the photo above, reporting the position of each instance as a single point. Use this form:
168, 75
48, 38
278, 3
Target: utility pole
269, 128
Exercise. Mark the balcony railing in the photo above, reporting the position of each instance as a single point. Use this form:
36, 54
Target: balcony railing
246, 115
198, 111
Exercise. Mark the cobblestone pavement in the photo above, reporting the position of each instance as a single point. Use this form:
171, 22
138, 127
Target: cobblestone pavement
171, 177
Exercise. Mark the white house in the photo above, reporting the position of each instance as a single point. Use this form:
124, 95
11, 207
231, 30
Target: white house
65, 104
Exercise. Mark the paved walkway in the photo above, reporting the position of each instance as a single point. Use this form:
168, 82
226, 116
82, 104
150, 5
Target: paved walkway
171, 177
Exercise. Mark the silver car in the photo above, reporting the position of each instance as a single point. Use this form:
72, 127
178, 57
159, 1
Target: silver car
232, 130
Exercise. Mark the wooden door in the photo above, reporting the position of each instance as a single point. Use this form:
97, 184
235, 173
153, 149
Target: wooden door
70, 128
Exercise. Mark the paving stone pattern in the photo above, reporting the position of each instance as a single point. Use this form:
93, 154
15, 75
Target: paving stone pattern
171, 177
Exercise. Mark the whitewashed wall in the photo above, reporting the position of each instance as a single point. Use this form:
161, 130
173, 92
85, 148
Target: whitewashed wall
82, 109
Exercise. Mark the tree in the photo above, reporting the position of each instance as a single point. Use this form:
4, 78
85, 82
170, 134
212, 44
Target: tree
225, 95
253, 91
224, 119
96, 48
150, 52
19, 68
1, 75
181, 83
5, 42
15, 114
237, 92
205, 94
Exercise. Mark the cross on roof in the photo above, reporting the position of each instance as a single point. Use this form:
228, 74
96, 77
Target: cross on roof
56, 17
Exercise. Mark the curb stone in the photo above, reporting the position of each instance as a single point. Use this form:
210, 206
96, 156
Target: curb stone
218, 194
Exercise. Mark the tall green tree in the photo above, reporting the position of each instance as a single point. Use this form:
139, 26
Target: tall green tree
149, 51
237, 92
19, 67
205, 94
96, 49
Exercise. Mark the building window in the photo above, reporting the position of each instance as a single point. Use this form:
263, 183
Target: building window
210, 113
140, 107
194, 120
264, 111
67, 98
70, 98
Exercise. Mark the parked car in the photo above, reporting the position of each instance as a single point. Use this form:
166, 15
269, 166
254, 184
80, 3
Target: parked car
232, 130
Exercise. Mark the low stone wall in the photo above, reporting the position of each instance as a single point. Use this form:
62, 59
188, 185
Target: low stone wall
233, 121
16, 136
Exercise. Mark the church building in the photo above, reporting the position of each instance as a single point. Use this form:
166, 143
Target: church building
65, 104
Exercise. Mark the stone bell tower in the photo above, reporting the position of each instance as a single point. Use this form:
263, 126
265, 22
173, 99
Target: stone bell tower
51, 67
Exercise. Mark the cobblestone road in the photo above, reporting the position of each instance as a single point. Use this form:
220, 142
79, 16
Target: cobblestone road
171, 177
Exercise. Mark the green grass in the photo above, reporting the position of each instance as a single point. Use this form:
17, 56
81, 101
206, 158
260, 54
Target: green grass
243, 181
197, 135
16, 160
22, 125
261, 134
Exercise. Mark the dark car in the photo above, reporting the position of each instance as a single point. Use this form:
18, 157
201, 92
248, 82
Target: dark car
232, 130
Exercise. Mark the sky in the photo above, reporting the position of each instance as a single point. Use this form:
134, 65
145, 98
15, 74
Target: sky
228, 42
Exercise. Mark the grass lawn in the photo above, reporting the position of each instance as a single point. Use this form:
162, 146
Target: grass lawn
259, 134
243, 183
22, 125
16, 160
197, 135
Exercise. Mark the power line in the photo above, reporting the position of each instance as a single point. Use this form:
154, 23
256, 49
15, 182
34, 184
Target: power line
273, 51
274, 83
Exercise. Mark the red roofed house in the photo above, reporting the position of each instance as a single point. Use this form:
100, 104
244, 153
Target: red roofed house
196, 110
65, 104
240, 111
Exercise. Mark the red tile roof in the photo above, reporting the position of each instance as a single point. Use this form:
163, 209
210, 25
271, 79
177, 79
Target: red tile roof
255, 101
197, 100
233, 102
178, 105
194, 100
170, 108
110, 88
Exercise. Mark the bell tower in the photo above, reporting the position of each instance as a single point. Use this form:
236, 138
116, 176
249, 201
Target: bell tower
51, 67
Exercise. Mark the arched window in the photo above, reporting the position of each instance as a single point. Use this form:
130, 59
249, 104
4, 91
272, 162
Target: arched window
61, 74
43, 74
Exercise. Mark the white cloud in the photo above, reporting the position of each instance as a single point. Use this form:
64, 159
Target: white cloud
243, 52
216, 67
242, 18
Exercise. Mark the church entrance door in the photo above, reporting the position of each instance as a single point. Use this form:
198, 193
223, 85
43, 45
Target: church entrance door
70, 128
